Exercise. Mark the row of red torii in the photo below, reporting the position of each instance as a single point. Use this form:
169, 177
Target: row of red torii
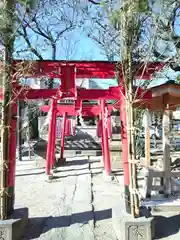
68, 71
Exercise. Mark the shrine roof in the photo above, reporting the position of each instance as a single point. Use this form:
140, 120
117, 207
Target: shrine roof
162, 95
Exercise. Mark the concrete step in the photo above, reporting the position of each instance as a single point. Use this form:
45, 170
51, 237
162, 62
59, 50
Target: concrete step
113, 146
73, 153
116, 136
116, 157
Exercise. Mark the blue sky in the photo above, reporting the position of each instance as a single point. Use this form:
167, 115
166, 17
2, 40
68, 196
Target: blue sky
84, 48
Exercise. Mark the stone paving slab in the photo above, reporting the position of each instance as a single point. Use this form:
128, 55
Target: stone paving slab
60, 209
106, 194
73, 145
77, 204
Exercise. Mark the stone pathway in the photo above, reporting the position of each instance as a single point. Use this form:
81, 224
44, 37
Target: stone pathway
76, 205
106, 194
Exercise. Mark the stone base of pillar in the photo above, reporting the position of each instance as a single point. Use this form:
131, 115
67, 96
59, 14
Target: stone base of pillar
128, 228
14, 227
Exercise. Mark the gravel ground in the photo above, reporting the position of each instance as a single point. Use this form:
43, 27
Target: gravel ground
76, 205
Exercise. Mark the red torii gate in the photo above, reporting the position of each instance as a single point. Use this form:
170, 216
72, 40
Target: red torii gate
68, 71
103, 110
74, 110
86, 111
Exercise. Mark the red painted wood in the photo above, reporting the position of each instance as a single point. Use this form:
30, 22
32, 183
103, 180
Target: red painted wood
12, 142
49, 156
68, 81
113, 93
109, 127
12, 147
99, 128
54, 123
124, 141
92, 110
106, 152
78, 104
63, 133
85, 69
68, 127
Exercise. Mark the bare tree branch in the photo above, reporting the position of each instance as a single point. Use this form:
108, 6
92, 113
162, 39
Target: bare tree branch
30, 46
94, 2
51, 22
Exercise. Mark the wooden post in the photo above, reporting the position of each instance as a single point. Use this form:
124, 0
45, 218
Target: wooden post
100, 134
53, 146
126, 167
19, 132
63, 133
50, 138
166, 151
147, 124
148, 177
8, 8
99, 127
107, 161
109, 127
12, 159
102, 141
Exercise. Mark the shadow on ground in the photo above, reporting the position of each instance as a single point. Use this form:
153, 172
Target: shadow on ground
167, 226
118, 172
78, 162
57, 177
82, 141
40, 225
40, 148
72, 163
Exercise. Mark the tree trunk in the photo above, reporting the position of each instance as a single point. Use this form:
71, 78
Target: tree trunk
50, 82
128, 28
19, 130
8, 39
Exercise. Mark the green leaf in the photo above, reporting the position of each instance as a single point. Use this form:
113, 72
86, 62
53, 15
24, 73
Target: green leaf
103, 4
143, 6
31, 4
178, 79
115, 17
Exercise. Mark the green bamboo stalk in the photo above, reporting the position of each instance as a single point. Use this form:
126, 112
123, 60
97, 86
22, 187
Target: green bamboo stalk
7, 33
128, 35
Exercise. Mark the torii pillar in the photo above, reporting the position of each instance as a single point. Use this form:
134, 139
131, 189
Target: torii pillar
51, 139
105, 140
124, 137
